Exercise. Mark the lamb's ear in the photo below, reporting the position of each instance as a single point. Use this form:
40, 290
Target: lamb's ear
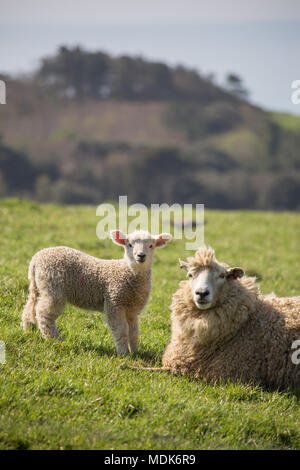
234, 273
162, 239
183, 264
118, 237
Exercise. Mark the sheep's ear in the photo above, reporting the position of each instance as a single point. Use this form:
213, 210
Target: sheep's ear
183, 264
234, 273
118, 237
162, 239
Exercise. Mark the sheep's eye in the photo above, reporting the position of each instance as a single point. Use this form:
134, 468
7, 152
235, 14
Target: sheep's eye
130, 245
222, 276
190, 275
151, 246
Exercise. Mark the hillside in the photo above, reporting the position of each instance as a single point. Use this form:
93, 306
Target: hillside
152, 132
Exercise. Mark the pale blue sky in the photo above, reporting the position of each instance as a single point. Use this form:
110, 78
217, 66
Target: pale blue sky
259, 40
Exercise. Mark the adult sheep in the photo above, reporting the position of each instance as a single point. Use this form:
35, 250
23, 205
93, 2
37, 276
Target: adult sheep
224, 329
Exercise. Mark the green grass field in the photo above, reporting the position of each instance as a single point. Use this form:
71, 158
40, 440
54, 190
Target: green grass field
75, 395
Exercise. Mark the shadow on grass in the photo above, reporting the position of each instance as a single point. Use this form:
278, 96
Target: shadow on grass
294, 393
151, 356
99, 349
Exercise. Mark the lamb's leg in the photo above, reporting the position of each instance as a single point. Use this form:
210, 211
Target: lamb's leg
47, 311
28, 315
133, 333
120, 329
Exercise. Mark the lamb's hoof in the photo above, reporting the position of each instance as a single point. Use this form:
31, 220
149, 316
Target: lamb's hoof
57, 337
52, 338
27, 326
123, 352
132, 352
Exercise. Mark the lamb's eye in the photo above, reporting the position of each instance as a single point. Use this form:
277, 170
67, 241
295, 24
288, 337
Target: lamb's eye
130, 245
190, 275
151, 246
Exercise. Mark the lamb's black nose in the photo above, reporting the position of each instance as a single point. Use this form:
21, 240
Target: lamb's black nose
202, 293
141, 257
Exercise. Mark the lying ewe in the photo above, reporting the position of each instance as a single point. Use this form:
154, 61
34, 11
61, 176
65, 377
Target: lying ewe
223, 328
119, 287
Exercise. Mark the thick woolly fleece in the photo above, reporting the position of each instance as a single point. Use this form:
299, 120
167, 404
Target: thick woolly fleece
246, 337
63, 275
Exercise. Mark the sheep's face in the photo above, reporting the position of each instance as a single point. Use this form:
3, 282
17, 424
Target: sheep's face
206, 284
139, 246
208, 281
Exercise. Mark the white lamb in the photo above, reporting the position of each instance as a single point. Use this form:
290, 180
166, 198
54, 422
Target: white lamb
120, 287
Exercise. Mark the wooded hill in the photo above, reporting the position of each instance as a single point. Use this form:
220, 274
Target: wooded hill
87, 127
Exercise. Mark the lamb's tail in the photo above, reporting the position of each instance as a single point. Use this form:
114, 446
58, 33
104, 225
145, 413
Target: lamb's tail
29, 315
153, 369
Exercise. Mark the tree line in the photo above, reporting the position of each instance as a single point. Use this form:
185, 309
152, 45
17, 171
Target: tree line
146, 175
76, 73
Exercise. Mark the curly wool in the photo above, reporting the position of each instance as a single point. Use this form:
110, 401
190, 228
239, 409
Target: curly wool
246, 337
62, 275
88, 282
